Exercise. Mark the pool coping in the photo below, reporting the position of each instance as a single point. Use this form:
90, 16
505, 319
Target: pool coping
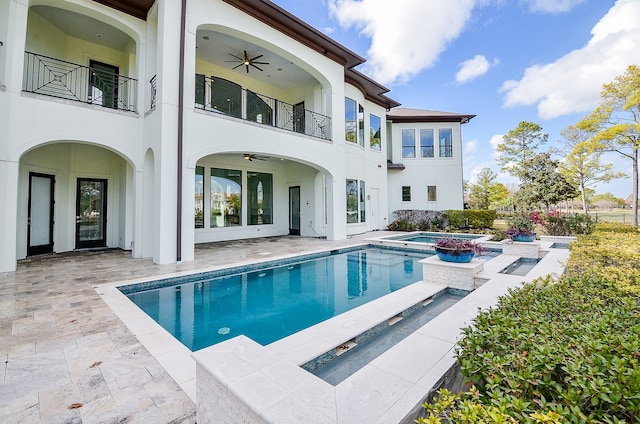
388, 389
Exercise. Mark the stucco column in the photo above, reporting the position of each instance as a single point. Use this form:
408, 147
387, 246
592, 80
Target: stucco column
8, 214
336, 207
188, 220
14, 45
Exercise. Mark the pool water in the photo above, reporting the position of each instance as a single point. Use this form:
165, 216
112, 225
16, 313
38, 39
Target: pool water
269, 304
434, 237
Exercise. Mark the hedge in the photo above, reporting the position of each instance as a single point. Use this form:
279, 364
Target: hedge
559, 351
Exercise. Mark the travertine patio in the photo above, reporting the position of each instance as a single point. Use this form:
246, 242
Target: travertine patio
67, 358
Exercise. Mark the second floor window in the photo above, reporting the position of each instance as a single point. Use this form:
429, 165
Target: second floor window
374, 133
445, 136
408, 143
426, 143
361, 125
350, 120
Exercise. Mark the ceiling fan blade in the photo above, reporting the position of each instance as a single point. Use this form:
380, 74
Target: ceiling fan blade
254, 67
248, 68
239, 58
257, 57
246, 56
237, 66
261, 63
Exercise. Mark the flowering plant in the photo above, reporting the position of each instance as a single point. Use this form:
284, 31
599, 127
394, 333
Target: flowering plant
523, 224
458, 244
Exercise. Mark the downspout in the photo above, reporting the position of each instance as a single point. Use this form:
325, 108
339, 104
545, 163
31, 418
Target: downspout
183, 18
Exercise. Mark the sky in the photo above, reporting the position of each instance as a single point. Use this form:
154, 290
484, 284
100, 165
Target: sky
505, 61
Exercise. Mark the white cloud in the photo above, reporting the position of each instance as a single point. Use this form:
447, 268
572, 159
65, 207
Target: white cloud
402, 44
473, 68
552, 6
494, 141
572, 83
471, 146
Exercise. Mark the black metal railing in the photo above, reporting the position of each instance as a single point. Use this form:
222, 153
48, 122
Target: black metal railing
66, 80
152, 104
229, 99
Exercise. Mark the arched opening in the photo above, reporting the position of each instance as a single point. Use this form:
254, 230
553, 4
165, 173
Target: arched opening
73, 196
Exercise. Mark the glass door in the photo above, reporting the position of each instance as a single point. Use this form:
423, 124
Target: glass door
294, 211
40, 219
103, 84
91, 213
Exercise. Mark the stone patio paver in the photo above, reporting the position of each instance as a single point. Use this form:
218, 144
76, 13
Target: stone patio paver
67, 358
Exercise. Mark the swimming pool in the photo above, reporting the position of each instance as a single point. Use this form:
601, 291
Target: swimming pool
277, 300
434, 237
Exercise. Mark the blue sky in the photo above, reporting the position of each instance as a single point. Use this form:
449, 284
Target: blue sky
505, 61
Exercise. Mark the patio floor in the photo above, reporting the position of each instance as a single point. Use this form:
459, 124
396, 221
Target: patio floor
67, 358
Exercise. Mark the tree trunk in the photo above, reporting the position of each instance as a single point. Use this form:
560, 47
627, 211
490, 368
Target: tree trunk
584, 198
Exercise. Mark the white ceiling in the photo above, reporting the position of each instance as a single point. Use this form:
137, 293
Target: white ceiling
83, 27
216, 47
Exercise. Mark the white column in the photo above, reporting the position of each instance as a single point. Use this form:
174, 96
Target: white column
8, 214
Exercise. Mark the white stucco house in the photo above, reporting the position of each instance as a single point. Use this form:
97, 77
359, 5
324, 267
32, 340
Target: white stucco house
149, 126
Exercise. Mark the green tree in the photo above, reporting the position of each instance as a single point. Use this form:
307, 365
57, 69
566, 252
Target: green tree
518, 146
480, 192
498, 196
582, 167
542, 184
616, 123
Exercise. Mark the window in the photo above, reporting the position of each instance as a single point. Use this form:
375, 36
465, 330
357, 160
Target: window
350, 129
363, 212
260, 200
431, 194
361, 125
258, 110
226, 97
374, 132
426, 143
199, 198
226, 197
406, 193
408, 143
356, 195
446, 142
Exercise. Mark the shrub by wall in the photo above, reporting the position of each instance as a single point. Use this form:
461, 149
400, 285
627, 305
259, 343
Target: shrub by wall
423, 220
557, 351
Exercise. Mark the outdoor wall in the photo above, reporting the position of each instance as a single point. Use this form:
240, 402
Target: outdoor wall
445, 173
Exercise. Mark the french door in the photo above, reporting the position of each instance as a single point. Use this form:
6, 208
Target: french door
40, 210
294, 211
91, 213
103, 84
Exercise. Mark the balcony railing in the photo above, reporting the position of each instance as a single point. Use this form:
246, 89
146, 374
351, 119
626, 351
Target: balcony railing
227, 98
58, 78
153, 92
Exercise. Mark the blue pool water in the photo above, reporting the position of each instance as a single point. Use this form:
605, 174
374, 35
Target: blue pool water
271, 303
433, 237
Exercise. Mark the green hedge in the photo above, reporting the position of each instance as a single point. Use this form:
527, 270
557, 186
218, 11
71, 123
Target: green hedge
450, 220
557, 351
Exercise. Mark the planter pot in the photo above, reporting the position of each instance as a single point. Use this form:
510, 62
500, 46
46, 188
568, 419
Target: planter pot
451, 255
525, 238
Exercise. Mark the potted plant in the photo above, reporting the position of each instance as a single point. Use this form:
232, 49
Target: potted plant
522, 227
452, 249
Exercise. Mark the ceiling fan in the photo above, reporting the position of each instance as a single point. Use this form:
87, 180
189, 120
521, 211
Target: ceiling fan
250, 157
247, 61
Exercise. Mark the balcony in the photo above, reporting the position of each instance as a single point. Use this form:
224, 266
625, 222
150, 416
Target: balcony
97, 84
230, 99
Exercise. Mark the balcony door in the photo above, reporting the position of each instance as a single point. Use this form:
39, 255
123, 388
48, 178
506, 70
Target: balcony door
298, 118
91, 213
103, 84
40, 219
